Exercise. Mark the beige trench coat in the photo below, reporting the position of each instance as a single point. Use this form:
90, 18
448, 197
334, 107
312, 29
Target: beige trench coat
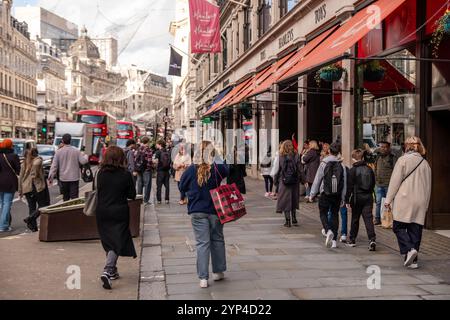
33, 176
410, 199
179, 161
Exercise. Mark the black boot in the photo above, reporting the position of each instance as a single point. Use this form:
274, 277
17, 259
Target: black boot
287, 215
294, 218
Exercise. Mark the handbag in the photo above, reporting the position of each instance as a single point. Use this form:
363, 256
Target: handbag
387, 217
90, 204
10, 166
228, 201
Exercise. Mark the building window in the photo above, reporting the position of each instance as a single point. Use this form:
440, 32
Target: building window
224, 51
398, 136
216, 64
399, 106
264, 16
247, 28
381, 106
286, 6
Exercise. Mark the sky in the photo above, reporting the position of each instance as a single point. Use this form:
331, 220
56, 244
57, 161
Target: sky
141, 26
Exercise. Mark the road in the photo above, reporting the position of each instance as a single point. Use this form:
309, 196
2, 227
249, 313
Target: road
19, 209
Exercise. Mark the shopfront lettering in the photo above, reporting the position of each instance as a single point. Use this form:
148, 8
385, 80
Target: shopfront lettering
286, 38
321, 13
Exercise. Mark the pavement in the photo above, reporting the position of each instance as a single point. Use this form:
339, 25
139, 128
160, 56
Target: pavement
268, 261
265, 261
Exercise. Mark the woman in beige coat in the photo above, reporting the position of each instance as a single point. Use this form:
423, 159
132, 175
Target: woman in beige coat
180, 164
408, 196
33, 186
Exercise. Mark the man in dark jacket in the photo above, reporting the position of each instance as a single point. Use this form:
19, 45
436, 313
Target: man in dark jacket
359, 197
9, 170
385, 162
162, 171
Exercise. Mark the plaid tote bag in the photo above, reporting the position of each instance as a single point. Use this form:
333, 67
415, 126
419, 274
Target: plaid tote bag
228, 201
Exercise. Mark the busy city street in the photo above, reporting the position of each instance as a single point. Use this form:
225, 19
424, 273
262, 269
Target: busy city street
200, 151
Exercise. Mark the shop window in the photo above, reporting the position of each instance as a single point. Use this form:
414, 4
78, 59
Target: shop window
247, 28
381, 106
383, 132
264, 17
398, 135
286, 6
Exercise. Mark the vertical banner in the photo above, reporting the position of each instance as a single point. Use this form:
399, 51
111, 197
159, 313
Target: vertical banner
176, 61
205, 27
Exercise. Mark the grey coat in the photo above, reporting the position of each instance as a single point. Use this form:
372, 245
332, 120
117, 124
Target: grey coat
311, 161
288, 195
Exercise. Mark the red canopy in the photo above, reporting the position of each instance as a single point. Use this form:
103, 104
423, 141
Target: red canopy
345, 37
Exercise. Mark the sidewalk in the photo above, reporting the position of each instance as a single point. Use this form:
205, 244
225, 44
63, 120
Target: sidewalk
268, 261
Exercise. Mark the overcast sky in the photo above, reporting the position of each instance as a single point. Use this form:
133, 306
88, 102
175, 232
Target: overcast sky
141, 26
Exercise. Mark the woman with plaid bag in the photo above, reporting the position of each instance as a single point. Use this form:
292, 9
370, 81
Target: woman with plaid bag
196, 183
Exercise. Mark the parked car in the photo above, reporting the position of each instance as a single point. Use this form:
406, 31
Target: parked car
20, 145
46, 152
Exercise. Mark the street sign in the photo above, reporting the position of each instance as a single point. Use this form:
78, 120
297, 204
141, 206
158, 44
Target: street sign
206, 120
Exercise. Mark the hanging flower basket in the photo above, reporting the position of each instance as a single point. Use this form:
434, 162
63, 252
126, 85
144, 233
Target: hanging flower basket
330, 73
442, 29
373, 71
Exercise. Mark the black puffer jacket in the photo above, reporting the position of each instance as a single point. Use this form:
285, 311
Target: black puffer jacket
8, 177
355, 191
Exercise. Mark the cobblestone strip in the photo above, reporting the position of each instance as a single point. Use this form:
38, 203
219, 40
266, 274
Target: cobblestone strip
152, 278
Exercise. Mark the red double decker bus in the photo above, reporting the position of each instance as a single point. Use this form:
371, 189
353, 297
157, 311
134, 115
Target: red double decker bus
104, 129
125, 132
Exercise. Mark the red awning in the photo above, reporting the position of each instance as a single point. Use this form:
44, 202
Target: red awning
252, 85
221, 104
279, 68
393, 83
345, 37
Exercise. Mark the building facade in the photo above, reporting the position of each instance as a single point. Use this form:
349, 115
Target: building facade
184, 88
55, 30
108, 49
392, 83
52, 105
17, 77
89, 84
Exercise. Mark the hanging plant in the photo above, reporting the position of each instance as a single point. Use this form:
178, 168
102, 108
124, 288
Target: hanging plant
373, 71
330, 73
442, 29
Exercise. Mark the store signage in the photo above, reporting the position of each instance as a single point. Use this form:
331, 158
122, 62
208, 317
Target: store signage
286, 38
321, 13
206, 120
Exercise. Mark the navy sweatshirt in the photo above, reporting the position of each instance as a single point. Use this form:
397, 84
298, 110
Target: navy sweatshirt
200, 200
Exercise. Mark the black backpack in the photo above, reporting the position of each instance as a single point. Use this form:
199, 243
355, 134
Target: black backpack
290, 171
86, 173
364, 179
165, 160
333, 179
141, 162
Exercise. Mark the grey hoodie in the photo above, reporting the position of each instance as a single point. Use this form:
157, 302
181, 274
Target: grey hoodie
318, 181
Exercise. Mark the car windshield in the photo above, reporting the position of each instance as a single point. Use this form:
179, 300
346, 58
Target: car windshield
19, 149
75, 142
46, 150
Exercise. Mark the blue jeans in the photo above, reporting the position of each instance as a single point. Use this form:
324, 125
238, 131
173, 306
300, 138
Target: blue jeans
208, 233
381, 193
6, 200
344, 222
144, 184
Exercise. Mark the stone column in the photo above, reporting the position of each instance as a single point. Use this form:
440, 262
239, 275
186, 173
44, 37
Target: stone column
254, 20
275, 12
302, 111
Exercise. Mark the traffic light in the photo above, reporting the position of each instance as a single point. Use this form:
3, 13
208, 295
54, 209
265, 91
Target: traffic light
44, 126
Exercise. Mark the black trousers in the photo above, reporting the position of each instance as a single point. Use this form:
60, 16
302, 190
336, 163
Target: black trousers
409, 236
332, 204
268, 182
35, 201
70, 190
162, 178
364, 209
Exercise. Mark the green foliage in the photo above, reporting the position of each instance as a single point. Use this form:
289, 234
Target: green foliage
332, 68
441, 30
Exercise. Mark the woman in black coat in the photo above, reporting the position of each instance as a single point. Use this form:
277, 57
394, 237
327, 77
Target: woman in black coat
115, 187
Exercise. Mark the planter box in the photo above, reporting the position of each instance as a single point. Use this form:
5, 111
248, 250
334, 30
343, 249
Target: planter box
69, 223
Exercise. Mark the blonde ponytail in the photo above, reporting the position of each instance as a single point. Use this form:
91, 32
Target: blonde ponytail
204, 168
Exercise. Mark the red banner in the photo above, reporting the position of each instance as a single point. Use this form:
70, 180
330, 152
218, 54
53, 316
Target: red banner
205, 27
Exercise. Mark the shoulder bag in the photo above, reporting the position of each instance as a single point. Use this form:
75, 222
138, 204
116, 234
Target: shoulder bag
90, 204
10, 166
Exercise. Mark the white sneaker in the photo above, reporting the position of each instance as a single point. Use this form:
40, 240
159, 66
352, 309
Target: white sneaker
203, 283
218, 276
334, 244
414, 266
329, 238
324, 233
267, 195
412, 254
343, 239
